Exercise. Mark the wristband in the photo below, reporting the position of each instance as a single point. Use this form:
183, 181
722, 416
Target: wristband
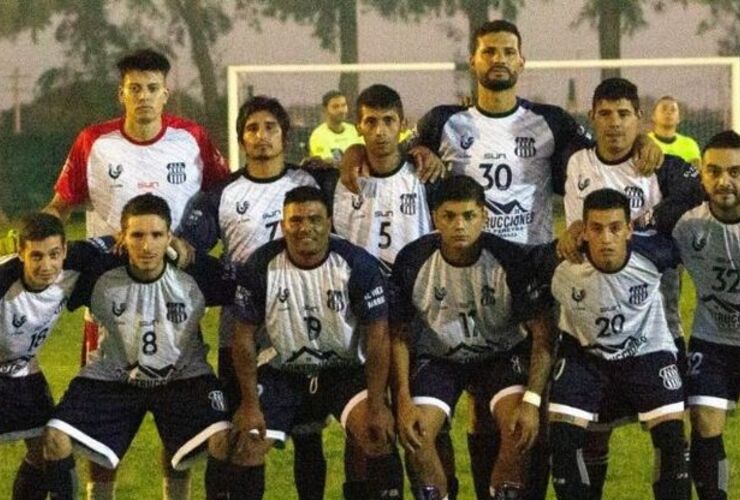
532, 398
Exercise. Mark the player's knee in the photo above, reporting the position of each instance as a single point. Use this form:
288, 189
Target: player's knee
253, 454
707, 422
668, 437
35, 451
597, 443
57, 445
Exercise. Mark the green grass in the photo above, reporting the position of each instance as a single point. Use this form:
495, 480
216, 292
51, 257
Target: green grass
629, 475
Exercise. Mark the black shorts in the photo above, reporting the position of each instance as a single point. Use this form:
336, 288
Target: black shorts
103, 417
27, 406
438, 382
286, 396
649, 385
714, 374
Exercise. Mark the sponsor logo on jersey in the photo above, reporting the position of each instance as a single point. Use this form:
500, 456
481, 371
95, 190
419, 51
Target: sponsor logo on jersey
114, 172
271, 215
194, 217
691, 172
516, 364
698, 242
583, 183
242, 207
19, 321
408, 203
218, 401
671, 377
375, 297
357, 202
440, 292
577, 294
176, 173
243, 296
505, 219
380, 213
119, 309
488, 296
466, 141
638, 294
636, 196
283, 294
335, 300
176, 312
147, 186
525, 147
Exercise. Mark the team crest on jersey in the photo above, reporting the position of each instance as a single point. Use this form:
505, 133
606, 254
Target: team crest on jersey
516, 364
176, 312
335, 300
60, 306
19, 321
283, 294
119, 309
577, 294
636, 196
638, 294
488, 296
440, 292
698, 242
408, 203
218, 401
525, 147
583, 183
671, 377
357, 202
114, 172
176, 172
242, 207
466, 141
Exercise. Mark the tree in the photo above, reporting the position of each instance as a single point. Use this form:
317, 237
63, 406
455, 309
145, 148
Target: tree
723, 14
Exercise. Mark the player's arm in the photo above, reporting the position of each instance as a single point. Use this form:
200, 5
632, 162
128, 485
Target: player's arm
648, 157
408, 418
377, 365
571, 239
59, 207
248, 419
681, 191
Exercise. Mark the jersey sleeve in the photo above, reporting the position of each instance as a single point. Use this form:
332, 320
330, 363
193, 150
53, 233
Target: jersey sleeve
570, 137
88, 256
315, 147
367, 289
251, 289
215, 168
429, 128
71, 186
216, 281
660, 249
681, 191
11, 270
571, 202
200, 226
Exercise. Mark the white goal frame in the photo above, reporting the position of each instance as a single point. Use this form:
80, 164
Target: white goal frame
232, 80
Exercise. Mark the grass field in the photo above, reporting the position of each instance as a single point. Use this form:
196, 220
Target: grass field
139, 477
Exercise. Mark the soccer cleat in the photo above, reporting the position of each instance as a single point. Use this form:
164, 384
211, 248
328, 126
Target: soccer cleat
508, 491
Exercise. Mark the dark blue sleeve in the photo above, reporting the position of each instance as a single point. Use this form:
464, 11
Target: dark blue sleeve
251, 283
216, 280
200, 225
429, 128
91, 254
681, 191
660, 249
406, 268
368, 291
11, 271
327, 180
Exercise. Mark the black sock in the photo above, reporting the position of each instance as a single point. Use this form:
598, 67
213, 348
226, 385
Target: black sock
567, 442
29, 483
309, 466
245, 482
356, 490
217, 479
538, 471
453, 487
597, 466
709, 467
673, 481
61, 478
483, 449
385, 476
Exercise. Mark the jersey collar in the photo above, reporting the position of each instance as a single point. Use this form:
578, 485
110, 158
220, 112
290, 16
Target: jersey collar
616, 271
618, 161
154, 139
145, 282
503, 114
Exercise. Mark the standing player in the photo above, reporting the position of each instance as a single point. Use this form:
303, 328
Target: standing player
143, 151
709, 240
666, 118
151, 357
468, 292
329, 140
322, 303
616, 341
34, 288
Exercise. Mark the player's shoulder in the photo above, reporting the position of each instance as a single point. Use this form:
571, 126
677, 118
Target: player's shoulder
97, 130
353, 254
180, 122
443, 112
699, 215
543, 109
11, 270
658, 248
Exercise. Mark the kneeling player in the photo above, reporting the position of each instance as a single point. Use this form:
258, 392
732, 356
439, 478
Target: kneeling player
469, 292
152, 358
322, 303
616, 339
709, 239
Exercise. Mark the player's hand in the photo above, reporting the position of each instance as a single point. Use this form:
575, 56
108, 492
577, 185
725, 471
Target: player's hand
410, 426
185, 252
429, 167
354, 165
648, 157
380, 428
249, 425
525, 425
570, 242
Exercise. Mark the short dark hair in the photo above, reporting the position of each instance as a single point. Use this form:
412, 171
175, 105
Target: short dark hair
38, 226
146, 204
496, 26
614, 89
304, 194
326, 98
458, 188
727, 139
262, 103
606, 199
143, 60
666, 98
379, 96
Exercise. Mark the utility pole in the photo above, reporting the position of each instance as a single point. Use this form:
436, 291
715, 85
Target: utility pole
16, 78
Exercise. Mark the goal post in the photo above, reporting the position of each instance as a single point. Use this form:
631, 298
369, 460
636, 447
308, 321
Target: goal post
710, 87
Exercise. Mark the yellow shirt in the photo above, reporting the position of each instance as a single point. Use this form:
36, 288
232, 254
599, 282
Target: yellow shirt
682, 146
329, 145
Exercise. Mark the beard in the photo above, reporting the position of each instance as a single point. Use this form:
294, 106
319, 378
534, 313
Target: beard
497, 84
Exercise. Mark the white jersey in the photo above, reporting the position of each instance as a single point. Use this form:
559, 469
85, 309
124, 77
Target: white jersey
106, 168
710, 251
312, 315
617, 315
390, 212
468, 313
152, 329
517, 157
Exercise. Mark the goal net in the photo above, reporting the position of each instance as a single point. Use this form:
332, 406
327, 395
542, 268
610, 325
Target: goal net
707, 89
